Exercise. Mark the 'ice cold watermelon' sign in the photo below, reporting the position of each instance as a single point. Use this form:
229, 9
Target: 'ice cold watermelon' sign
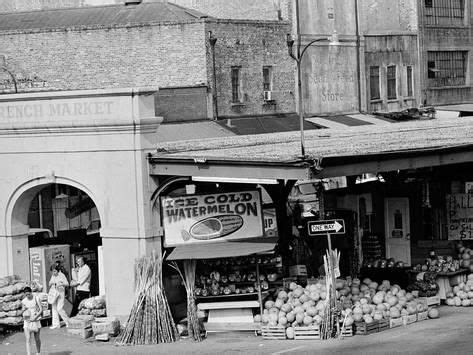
460, 216
207, 218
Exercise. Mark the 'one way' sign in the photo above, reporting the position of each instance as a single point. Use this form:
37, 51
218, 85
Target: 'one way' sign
331, 226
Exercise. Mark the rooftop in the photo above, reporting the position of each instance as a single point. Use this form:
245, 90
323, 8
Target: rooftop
106, 16
333, 147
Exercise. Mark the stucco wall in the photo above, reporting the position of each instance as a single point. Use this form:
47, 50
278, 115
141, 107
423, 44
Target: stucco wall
238, 9
384, 16
99, 145
392, 50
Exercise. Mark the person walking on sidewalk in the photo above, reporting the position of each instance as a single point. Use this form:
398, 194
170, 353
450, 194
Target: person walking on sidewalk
81, 283
58, 282
32, 311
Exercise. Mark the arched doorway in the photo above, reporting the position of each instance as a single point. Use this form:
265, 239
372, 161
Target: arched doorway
53, 223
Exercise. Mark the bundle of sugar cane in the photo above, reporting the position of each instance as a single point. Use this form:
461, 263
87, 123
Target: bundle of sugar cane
150, 320
188, 278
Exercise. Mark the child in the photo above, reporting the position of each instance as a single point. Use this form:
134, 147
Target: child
31, 308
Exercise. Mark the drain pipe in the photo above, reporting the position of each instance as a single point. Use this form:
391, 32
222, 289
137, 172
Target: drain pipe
358, 61
213, 41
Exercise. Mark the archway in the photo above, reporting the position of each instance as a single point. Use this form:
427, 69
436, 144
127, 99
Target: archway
53, 221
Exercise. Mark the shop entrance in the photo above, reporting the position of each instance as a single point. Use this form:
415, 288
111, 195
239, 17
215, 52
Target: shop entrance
397, 228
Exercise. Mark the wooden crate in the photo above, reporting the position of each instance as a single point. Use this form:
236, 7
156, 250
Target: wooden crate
83, 333
383, 324
412, 318
395, 322
361, 328
273, 333
307, 333
346, 331
430, 301
422, 316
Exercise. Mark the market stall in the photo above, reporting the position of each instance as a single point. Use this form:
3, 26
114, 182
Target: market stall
236, 264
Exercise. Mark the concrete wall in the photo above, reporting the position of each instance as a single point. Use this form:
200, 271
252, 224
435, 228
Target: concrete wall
75, 59
252, 45
392, 50
448, 38
96, 141
239, 9
387, 16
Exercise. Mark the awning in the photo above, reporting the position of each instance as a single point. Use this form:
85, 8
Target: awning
222, 249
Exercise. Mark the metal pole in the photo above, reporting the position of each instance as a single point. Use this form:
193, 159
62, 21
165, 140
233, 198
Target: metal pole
260, 296
332, 275
301, 109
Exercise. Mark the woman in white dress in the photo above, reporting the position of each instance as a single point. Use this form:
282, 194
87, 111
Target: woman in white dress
59, 282
31, 309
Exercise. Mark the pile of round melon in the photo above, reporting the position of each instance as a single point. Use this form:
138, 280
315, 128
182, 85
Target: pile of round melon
462, 294
365, 301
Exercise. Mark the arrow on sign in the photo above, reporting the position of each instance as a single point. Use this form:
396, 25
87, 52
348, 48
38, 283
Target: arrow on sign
336, 226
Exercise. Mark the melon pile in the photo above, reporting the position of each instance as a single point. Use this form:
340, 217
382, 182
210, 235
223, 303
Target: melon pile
462, 294
365, 301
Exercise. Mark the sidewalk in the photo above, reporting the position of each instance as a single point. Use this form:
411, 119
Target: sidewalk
451, 334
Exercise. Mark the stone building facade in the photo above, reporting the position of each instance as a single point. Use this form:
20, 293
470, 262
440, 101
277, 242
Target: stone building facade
169, 55
446, 42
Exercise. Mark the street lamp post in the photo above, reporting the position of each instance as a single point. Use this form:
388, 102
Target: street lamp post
298, 58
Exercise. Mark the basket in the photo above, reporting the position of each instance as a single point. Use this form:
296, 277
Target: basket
422, 316
307, 333
395, 322
412, 318
273, 333
361, 328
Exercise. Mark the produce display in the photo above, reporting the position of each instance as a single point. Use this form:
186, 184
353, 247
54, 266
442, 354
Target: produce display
94, 306
425, 285
365, 301
446, 264
462, 294
383, 263
11, 294
235, 275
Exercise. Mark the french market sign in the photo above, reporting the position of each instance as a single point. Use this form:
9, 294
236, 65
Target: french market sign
193, 219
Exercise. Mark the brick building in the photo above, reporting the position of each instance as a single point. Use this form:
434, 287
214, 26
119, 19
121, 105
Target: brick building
152, 46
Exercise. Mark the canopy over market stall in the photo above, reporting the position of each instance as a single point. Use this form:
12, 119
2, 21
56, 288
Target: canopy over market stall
330, 152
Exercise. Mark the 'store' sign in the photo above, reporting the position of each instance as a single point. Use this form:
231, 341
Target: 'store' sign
331, 226
210, 218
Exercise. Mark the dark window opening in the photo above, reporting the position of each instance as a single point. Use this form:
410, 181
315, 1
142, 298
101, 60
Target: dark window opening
236, 96
374, 83
391, 82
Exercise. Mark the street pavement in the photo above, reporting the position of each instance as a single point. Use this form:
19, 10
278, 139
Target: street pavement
452, 333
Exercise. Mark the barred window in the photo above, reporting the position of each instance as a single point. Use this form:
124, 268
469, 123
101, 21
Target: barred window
409, 78
391, 82
444, 12
446, 68
374, 83
236, 96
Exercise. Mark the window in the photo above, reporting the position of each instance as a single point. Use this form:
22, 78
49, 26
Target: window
409, 78
267, 78
444, 12
446, 68
374, 83
236, 95
391, 82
